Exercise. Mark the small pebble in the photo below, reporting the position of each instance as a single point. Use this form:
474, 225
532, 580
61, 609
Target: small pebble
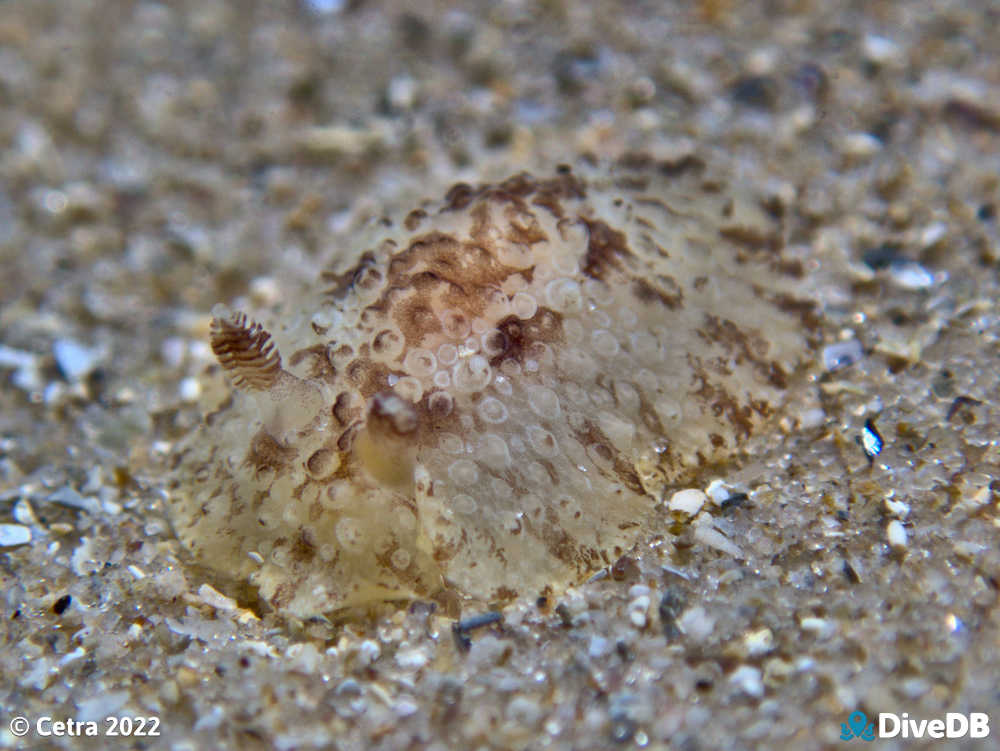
899, 509
368, 652
27, 375
96, 708
639, 590
325, 7
211, 596
190, 390
896, 533
871, 440
402, 92
883, 256
748, 679
842, 354
264, 290
172, 351
303, 656
687, 501
671, 604
598, 647
718, 491
406, 706
75, 360
880, 50
524, 710
412, 659
67, 496
812, 418
933, 234
908, 274
23, 513
759, 642
637, 611
706, 534
696, 624
14, 534
760, 92
821, 627
860, 145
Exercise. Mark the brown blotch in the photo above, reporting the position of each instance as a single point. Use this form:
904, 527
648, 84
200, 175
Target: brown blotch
315, 511
370, 377
776, 375
303, 550
648, 292
415, 319
550, 193
658, 203
648, 415
557, 541
503, 594
414, 219
721, 402
341, 352
789, 267
459, 196
525, 234
606, 249
511, 191
550, 468
806, 310
625, 568
518, 335
447, 273
635, 184
383, 340
284, 594
319, 366
638, 161
266, 454
761, 407
363, 274
459, 263
444, 552
741, 345
751, 237
590, 435
425, 282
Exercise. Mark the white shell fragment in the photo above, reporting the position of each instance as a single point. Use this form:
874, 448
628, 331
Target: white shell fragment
842, 354
896, 534
14, 534
687, 501
490, 396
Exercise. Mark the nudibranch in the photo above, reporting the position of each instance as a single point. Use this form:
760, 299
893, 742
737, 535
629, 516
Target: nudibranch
489, 398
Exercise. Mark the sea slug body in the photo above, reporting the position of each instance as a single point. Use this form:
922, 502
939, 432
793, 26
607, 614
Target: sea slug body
490, 398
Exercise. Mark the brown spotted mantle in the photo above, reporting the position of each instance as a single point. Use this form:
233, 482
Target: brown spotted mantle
489, 399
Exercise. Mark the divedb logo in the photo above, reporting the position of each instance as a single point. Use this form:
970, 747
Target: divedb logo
953, 725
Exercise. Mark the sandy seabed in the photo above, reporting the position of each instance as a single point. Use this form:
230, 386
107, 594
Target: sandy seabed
160, 158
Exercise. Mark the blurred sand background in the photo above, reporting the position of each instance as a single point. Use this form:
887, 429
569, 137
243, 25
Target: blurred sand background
158, 158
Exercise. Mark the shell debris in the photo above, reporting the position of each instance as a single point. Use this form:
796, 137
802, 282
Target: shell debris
490, 399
